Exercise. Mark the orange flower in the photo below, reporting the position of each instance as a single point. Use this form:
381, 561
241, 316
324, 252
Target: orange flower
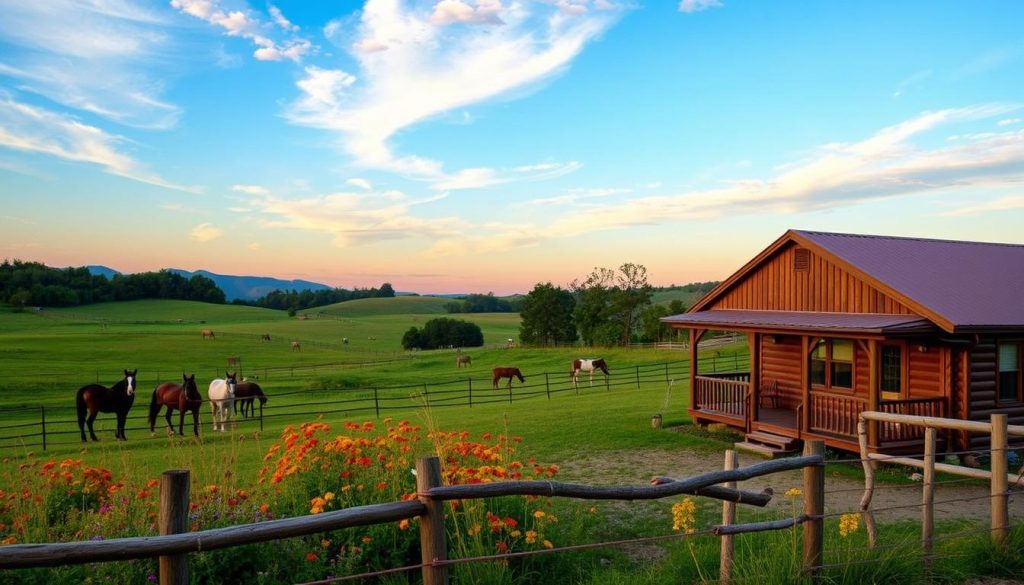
403, 524
311, 557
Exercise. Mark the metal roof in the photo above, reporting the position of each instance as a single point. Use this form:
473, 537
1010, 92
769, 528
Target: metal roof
806, 321
973, 285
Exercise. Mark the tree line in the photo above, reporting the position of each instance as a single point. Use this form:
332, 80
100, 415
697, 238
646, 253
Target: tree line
488, 303
296, 300
31, 284
606, 307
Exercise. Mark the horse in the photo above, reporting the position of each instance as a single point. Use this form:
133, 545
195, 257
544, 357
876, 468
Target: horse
208, 333
265, 337
580, 365
463, 360
245, 393
222, 396
296, 346
184, 396
499, 373
344, 340
96, 399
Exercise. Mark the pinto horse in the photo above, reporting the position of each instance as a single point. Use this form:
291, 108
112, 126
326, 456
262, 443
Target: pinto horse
499, 373
245, 393
208, 333
96, 399
184, 396
222, 396
588, 366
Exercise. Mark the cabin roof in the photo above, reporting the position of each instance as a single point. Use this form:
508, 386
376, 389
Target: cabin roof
960, 286
806, 321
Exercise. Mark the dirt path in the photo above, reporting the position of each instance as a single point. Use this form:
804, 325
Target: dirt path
952, 501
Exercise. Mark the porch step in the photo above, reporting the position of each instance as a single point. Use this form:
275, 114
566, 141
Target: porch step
768, 444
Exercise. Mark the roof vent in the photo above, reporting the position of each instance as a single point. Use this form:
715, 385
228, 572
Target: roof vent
801, 259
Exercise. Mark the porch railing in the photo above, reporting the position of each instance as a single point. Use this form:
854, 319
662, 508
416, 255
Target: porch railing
836, 414
894, 431
722, 394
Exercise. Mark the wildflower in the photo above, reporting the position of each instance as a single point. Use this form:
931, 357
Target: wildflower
311, 557
403, 524
848, 524
367, 539
547, 544
794, 493
684, 515
151, 577
531, 536
502, 547
325, 543
538, 514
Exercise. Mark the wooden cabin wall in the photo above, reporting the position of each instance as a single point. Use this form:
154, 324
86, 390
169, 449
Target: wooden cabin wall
982, 391
781, 361
824, 286
927, 372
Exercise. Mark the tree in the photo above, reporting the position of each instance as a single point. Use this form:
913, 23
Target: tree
610, 297
443, 332
547, 316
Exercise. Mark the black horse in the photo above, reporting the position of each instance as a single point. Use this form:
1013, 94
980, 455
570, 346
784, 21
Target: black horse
245, 393
181, 397
96, 398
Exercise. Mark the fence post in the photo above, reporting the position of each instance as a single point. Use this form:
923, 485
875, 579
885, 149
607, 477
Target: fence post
1000, 483
814, 507
928, 497
638, 377
261, 417
547, 385
510, 390
42, 415
174, 486
470, 381
376, 403
433, 546
426, 395
728, 517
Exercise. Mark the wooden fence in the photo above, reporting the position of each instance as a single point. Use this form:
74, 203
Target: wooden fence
174, 543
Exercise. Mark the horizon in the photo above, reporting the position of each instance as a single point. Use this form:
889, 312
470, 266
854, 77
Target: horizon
489, 145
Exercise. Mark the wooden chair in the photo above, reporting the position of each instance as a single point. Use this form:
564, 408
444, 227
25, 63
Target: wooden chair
770, 393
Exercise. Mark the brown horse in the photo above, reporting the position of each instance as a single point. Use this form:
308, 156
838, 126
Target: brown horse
246, 393
296, 346
184, 396
96, 399
265, 337
499, 373
463, 360
208, 333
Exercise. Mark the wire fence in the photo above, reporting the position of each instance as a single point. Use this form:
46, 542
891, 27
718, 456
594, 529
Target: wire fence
50, 426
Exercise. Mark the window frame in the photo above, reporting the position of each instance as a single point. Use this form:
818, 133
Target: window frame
829, 360
1020, 372
904, 371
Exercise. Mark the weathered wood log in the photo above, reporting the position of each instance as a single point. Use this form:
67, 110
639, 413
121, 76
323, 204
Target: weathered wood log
759, 526
94, 551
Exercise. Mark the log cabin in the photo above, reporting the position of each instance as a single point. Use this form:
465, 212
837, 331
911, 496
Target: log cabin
837, 324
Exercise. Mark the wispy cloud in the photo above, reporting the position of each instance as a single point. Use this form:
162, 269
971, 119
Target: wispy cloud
205, 232
911, 81
248, 25
689, 6
32, 129
447, 65
1009, 121
1007, 203
352, 219
106, 57
250, 189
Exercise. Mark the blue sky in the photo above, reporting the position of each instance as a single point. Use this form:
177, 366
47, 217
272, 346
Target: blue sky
487, 145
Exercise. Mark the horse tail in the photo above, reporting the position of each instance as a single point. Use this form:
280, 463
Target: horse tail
80, 404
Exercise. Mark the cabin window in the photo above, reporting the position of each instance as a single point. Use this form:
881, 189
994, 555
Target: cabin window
801, 259
1009, 371
892, 369
832, 364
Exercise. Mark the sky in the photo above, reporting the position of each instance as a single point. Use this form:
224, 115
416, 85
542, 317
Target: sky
452, 146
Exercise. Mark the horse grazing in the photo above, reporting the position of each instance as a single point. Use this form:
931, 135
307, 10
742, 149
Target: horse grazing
208, 333
184, 396
96, 399
344, 340
463, 360
265, 337
499, 373
588, 366
222, 397
296, 346
245, 393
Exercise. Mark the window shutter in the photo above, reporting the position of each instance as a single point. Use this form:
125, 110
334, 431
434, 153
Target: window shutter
801, 259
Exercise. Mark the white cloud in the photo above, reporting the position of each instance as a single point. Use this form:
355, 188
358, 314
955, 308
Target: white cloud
1009, 121
1007, 203
28, 128
361, 183
690, 6
248, 25
205, 232
250, 189
107, 58
445, 67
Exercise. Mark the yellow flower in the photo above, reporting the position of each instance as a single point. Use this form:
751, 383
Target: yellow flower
539, 514
684, 515
794, 493
848, 524
547, 544
531, 536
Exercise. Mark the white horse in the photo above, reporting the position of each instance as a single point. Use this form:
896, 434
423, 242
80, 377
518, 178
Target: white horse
222, 397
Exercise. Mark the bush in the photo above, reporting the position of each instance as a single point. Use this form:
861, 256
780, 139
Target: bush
443, 332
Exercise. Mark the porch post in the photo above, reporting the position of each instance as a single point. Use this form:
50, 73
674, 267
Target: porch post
695, 335
754, 346
873, 391
805, 383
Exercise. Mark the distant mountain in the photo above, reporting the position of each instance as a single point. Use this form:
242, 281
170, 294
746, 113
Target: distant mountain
247, 288
250, 288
